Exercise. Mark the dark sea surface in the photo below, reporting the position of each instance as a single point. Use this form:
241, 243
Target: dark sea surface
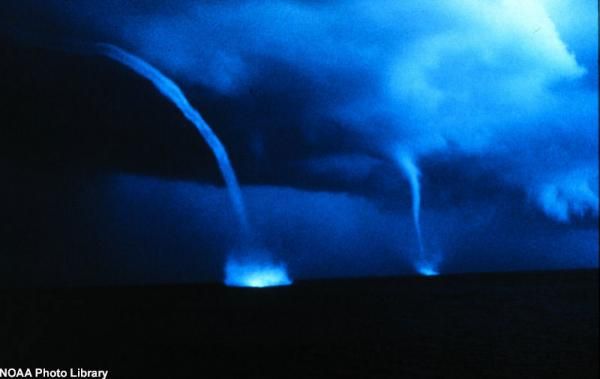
507, 325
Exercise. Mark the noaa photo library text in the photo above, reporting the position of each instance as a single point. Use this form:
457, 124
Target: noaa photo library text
53, 373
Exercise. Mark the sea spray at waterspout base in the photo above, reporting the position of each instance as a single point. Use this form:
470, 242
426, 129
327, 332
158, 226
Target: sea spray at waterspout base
170, 90
255, 268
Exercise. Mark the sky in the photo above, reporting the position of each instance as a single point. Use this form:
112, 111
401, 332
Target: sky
494, 102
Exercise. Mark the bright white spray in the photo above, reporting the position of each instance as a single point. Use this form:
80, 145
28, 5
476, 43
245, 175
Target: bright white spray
168, 88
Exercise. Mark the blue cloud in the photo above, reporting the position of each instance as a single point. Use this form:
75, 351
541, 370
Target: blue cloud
511, 83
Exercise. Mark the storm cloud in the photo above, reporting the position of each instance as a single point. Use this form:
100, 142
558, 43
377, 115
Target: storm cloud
510, 83
492, 99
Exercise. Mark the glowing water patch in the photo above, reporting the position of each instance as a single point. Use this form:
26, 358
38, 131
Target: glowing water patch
427, 271
255, 274
428, 268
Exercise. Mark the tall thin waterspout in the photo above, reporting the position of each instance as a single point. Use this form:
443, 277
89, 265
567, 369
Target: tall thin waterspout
170, 90
425, 264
